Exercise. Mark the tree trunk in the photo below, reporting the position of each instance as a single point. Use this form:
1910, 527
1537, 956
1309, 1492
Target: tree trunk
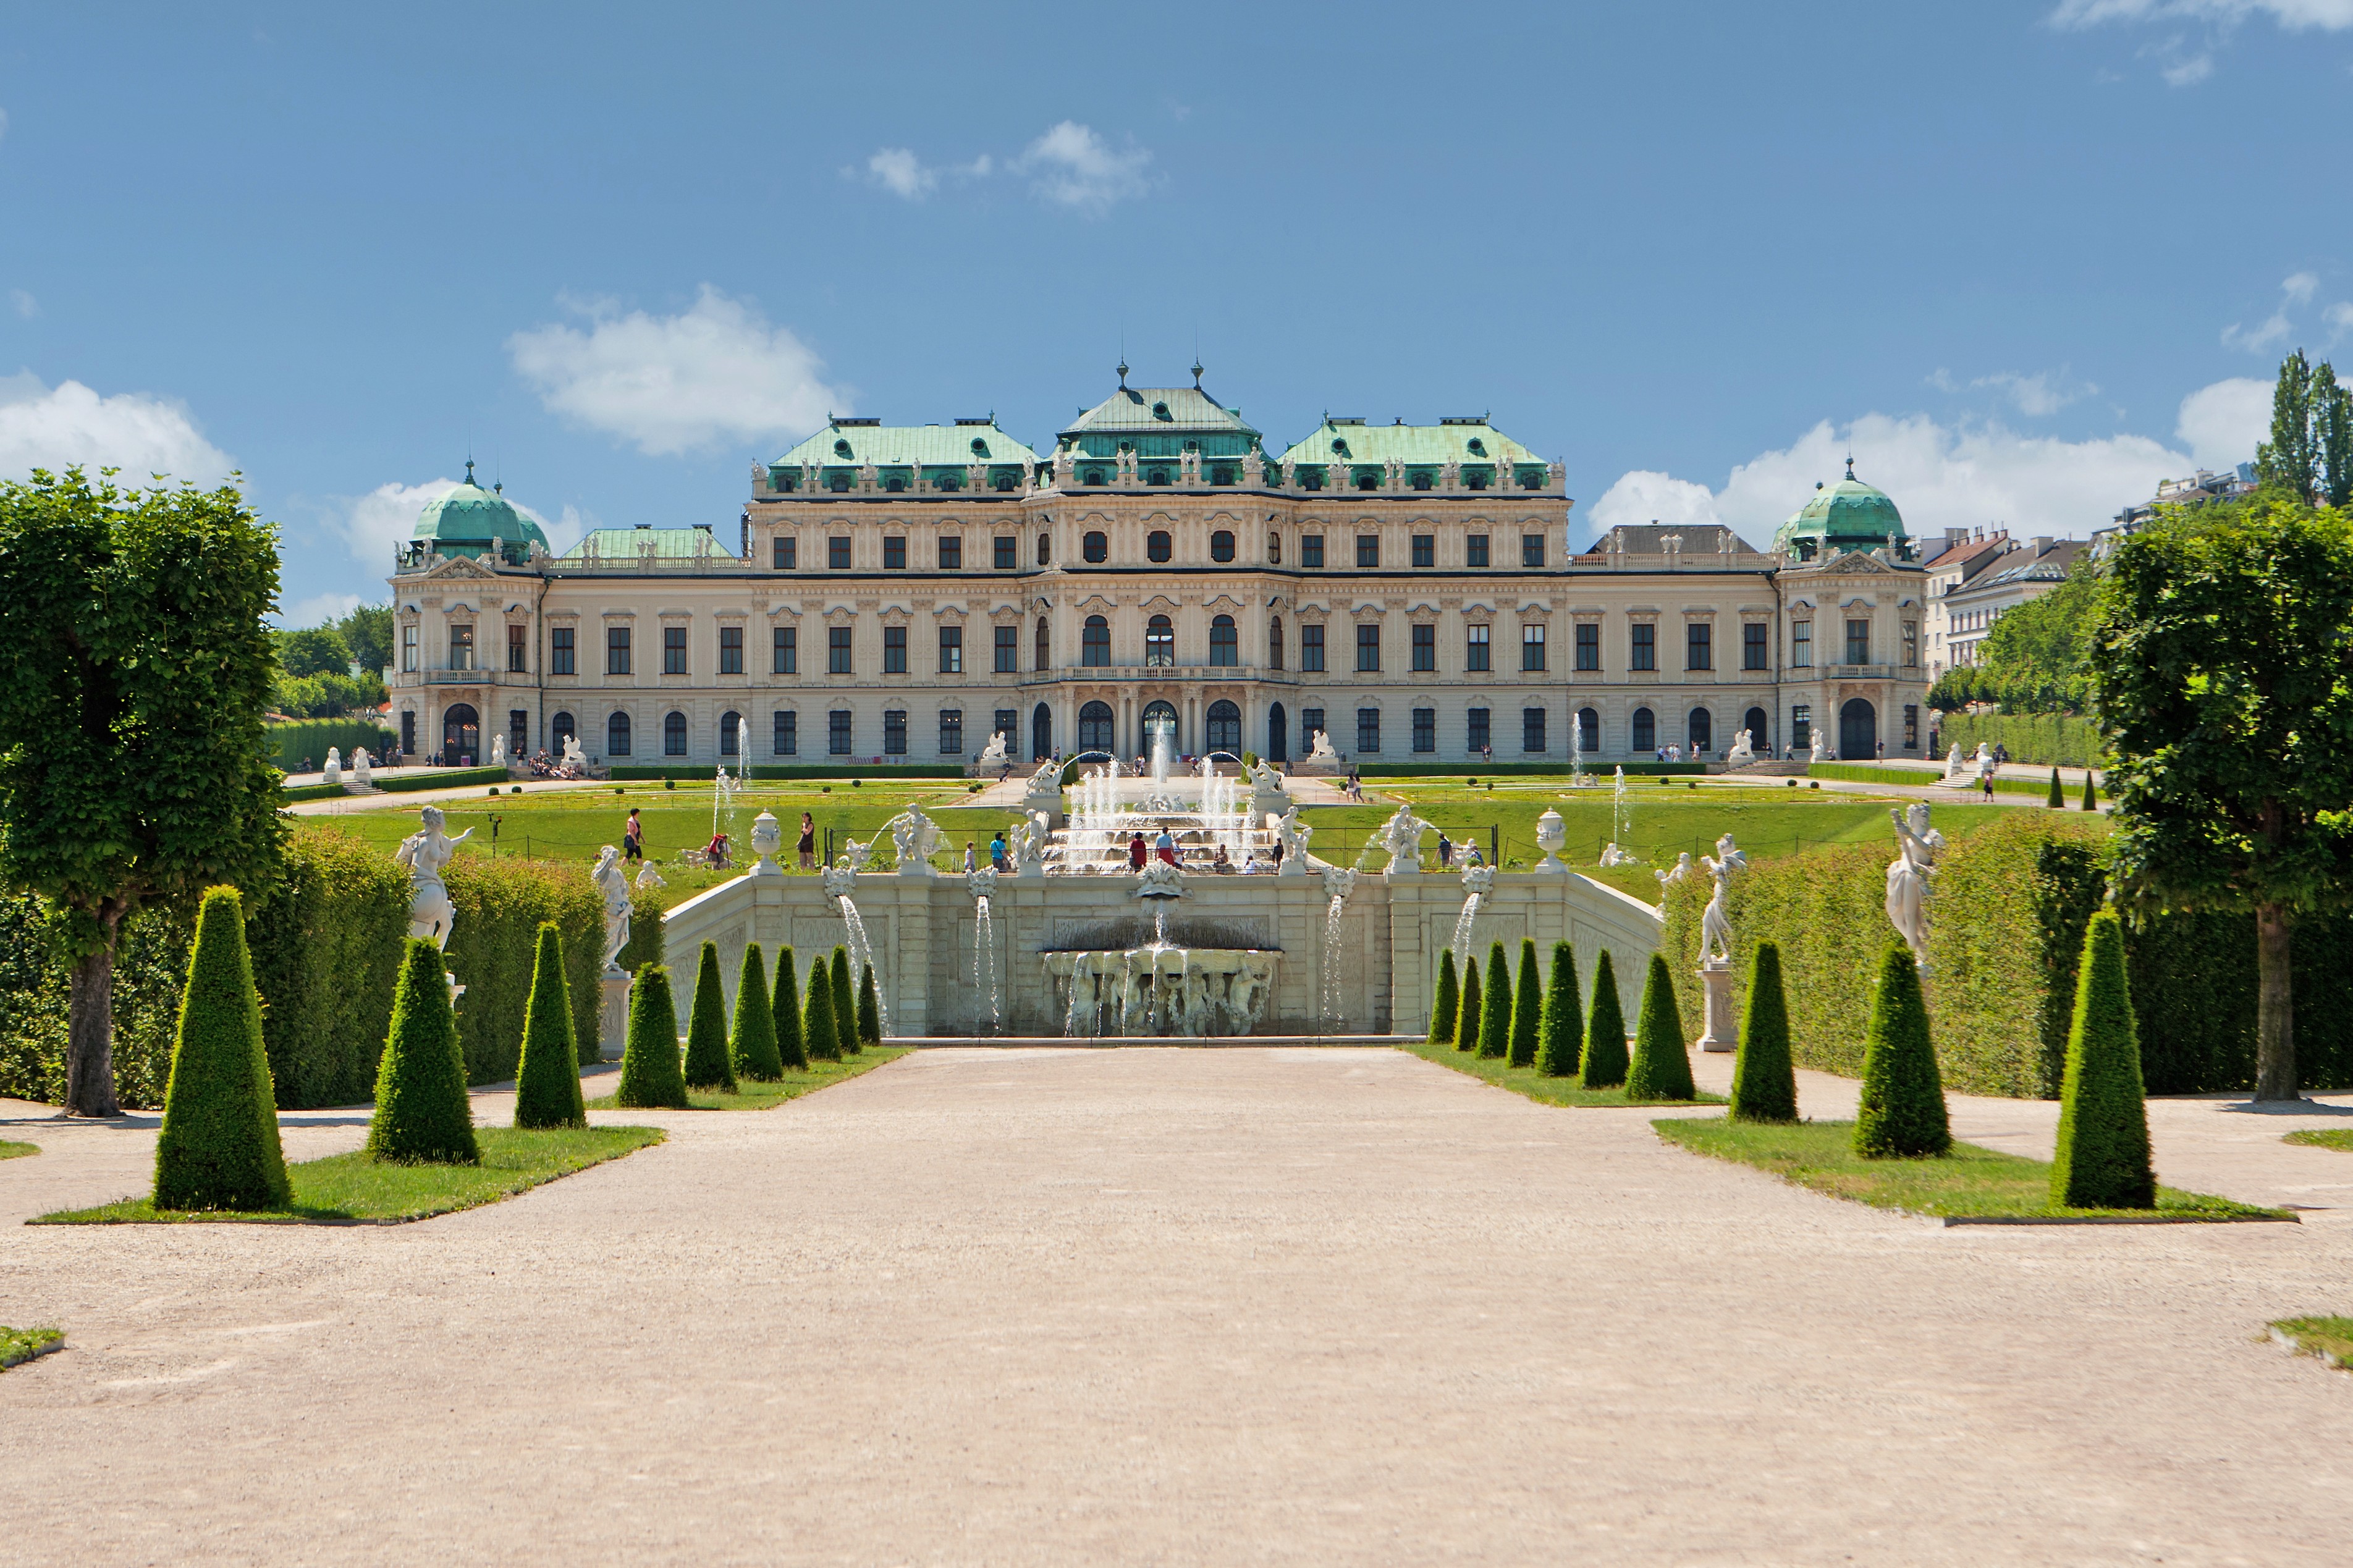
2274, 1005
89, 1034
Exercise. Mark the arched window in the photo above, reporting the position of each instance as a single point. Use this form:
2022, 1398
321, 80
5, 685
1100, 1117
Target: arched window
1045, 550
729, 735
1096, 548
1041, 732
1224, 647
616, 736
1045, 645
1700, 729
462, 732
1273, 547
1095, 727
1225, 730
560, 729
1159, 641
1756, 723
1094, 644
1157, 545
1589, 730
674, 735
1274, 643
1221, 545
1278, 735
1646, 730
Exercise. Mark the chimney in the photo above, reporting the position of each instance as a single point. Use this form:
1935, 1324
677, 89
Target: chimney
2042, 543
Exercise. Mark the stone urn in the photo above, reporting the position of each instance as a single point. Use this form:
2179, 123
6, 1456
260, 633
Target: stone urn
767, 837
1551, 834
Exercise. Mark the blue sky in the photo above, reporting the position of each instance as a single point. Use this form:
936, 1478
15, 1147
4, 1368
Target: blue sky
2026, 258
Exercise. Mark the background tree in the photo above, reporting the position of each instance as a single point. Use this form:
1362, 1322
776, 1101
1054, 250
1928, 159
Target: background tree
2224, 671
367, 632
314, 650
1446, 1002
2287, 461
131, 623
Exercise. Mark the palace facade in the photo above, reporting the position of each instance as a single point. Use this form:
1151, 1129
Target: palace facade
896, 593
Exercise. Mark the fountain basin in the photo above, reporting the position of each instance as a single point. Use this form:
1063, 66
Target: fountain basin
1159, 991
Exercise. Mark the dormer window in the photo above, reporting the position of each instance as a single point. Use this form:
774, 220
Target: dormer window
980, 449
1092, 476
896, 483
1160, 411
1478, 447
1339, 447
841, 449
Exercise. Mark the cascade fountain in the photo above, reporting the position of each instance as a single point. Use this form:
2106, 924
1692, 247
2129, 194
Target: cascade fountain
1338, 883
1477, 881
981, 884
1621, 817
743, 751
723, 804
840, 879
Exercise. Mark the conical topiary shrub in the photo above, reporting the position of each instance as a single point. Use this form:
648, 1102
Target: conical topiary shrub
706, 1028
1662, 1066
2103, 1159
422, 1114
1466, 1019
1604, 1066
1445, 1002
1527, 1002
1902, 1113
817, 1018
2058, 799
792, 1043
845, 1004
2091, 791
651, 1075
1563, 1018
1495, 1005
1764, 1082
218, 1148
869, 1008
752, 1042
547, 1082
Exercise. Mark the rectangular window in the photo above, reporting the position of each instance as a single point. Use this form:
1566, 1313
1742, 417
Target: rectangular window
1368, 550
409, 648
894, 650
1425, 647
1532, 731
673, 650
1311, 551
951, 650
1802, 645
1588, 645
560, 651
951, 551
1368, 648
1311, 648
1007, 559
837, 650
1425, 550
1311, 721
895, 731
1474, 651
1474, 550
1006, 719
1008, 650
952, 731
837, 734
1858, 642
1752, 644
1801, 725
617, 650
787, 742
787, 549
1368, 730
1273, 548
1911, 726
731, 650
1644, 653
1699, 646
408, 732
787, 650
1532, 648
836, 554
1911, 645
461, 647
1477, 734
515, 636
1532, 551
1425, 728
894, 552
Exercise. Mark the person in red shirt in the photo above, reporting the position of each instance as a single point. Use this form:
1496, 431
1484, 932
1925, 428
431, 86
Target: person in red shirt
1136, 856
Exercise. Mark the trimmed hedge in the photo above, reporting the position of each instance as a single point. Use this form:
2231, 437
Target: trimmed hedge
822, 1034
218, 1148
499, 905
1528, 1001
328, 937
1563, 1020
1475, 769
422, 1111
1495, 1005
1604, 1064
651, 1076
1870, 772
1901, 1113
869, 1007
1445, 1002
311, 791
1661, 1066
547, 1084
792, 1043
707, 1065
1466, 1020
751, 1040
2102, 1159
706, 771
441, 778
1764, 1084
2030, 737
289, 744
845, 1004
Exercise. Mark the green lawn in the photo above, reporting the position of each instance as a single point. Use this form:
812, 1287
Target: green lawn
2322, 1137
23, 1344
2330, 1339
346, 1188
16, 1151
1970, 1183
792, 1086
1533, 1084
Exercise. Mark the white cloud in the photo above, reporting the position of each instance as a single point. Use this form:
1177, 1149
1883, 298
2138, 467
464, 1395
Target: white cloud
26, 306
2297, 288
2221, 424
1075, 168
41, 427
2331, 16
898, 170
2043, 393
318, 609
716, 372
1644, 496
2188, 72
373, 523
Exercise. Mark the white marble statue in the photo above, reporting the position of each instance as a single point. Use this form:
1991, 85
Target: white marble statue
574, 757
1987, 764
981, 881
613, 884
993, 754
1953, 767
425, 852
1161, 879
362, 769
333, 772
1743, 752
1045, 792
1478, 879
767, 837
1319, 748
648, 878
1613, 856
1401, 836
1679, 872
1909, 875
1027, 847
1715, 924
917, 837
498, 750
1268, 798
1820, 746
1551, 834
1294, 834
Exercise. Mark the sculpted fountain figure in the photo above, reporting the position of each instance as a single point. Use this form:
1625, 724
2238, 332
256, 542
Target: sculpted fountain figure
1294, 834
425, 852
1909, 874
1613, 856
1027, 845
613, 884
1268, 798
1401, 836
915, 836
1953, 767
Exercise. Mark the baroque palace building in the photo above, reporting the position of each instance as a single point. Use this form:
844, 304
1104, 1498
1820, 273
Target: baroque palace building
898, 592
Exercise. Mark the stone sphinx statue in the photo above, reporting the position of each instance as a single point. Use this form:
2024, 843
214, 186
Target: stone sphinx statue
333, 772
993, 754
1743, 752
426, 852
362, 769
1319, 748
574, 757
613, 886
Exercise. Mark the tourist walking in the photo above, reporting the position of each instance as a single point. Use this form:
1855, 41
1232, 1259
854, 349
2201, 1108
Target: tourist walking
1166, 846
633, 837
1445, 851
969, 867
997, 850
1135, 853
808, 842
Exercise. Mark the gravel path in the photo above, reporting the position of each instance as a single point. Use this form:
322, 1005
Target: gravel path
1284, 1306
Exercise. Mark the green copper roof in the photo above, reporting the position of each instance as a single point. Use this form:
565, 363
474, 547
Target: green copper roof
1470, 441
1848, 515
856, 442
629, 543
469, 520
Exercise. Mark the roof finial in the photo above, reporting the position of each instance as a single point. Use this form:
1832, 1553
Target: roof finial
1850, 465
1197, 373
1123, 373
470, 468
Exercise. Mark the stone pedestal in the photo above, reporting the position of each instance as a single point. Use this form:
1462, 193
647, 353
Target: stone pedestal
613, 1015
1723, 1032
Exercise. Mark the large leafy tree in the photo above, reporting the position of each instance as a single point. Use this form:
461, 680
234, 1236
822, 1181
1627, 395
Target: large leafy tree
313, 651
2222, 670
132, 763
2310, 453
367, 632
